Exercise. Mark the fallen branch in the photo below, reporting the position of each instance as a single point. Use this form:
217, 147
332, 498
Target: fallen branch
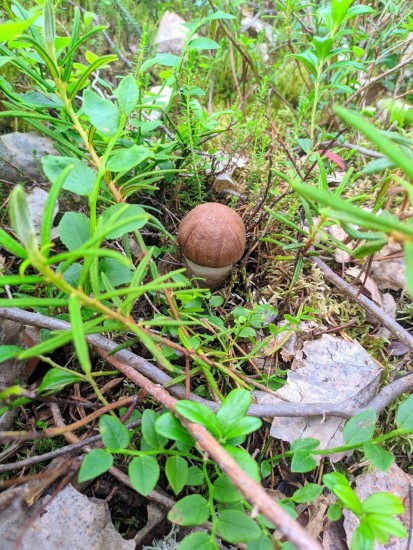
252, 491
393, 326
286, 409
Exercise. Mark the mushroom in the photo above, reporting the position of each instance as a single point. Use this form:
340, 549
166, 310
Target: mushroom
211, 238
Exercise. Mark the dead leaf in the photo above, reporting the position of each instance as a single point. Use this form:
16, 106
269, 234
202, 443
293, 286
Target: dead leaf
72, 521
328, 370
338, 233
368, 283
394, 481
389, 307
389, 268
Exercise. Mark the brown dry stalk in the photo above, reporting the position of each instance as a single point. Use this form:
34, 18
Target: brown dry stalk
252, 491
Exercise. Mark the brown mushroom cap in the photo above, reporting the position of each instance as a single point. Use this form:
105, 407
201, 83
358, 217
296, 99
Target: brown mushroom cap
212, 235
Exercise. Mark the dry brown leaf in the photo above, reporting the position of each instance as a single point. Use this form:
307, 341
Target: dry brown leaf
368, 283
338, 233
394, 481
328, 370
389, 268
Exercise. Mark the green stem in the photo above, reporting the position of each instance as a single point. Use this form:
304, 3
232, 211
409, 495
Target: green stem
315, 105
343, 448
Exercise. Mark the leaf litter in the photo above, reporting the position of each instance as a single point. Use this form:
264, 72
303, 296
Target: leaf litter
327, 370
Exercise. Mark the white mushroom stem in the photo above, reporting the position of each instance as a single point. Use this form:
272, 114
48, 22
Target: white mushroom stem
214, 276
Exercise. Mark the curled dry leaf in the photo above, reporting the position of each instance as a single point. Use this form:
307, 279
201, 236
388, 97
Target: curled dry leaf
328, 370
394, 481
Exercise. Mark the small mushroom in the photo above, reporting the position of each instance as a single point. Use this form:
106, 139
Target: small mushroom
212, 238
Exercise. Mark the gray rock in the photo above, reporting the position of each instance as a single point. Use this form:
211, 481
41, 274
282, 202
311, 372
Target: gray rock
20, 155
72, 521
171, 35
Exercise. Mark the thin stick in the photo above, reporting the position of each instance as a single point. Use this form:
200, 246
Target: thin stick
377, 79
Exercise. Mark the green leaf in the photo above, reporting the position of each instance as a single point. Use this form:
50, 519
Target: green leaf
56, 379
335, 512
7, 242
323, 46
9, 352
335, 478
305, 443
309, 60
349, 498
49, 25
339, 9
200, 414
383, 526
235, 526
117, 273
264, 542
224, 490
196, 541
242, 427
383, 503
195, 476
165, 59
143, 474
79, 338
80, 180
203, 43
74, 229
11, 29
21, 220
303, 462
133, 216
127, 93
151, 436
168, 426
309, 492
345, 211
245, 461
95, 463
124, 160
379, 457
190, 510
176, 470
219, 14
363, 538
404, 415
102, 113
234, 407
115, 435
360, 428
386, 146
369, 248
